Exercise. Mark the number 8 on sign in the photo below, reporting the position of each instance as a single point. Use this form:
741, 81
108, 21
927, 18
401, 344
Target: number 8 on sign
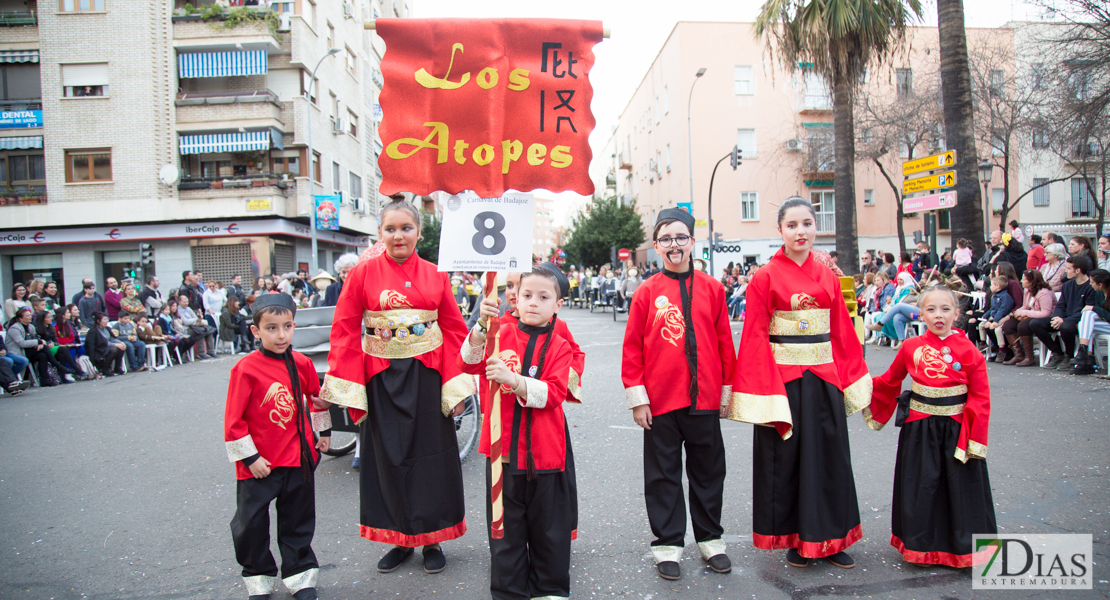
489, 231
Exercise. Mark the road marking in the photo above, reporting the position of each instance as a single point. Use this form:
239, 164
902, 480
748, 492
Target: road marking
633, 427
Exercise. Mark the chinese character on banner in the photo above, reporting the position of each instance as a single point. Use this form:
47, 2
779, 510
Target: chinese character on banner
327, 212
487, 105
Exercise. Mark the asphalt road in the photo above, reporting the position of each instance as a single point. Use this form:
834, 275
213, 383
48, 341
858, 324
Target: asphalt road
121, 489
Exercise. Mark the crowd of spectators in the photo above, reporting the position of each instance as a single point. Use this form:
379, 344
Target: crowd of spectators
1051, 292
106, 334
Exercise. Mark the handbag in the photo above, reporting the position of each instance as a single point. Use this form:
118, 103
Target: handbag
52, 378
198, 330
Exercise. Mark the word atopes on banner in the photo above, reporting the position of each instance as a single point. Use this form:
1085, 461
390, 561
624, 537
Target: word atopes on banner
487, 105
487, 234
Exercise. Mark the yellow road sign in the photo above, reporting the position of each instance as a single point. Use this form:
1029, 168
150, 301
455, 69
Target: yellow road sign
701, 223
932, 182
946, 160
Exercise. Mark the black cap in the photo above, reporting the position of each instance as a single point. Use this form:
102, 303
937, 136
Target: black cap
564, 283
275, 299
676, 214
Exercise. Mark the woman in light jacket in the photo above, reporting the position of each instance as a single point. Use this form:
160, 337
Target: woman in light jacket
1039, 302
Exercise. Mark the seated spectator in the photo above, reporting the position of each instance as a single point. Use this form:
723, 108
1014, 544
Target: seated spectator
44, 327
1077, 293
1036, 253
105, 350
1013, 253
1002, 304
90, 303
214, 300
50, 295
16, 302
905, 265
1053, 269
867, 292
1079, 245
921, 260
38, 305
136, 349
1095, 320
738, 301
130, 303
888, 267
151, 297
151, 334
1038, 302
902, 311
1104, 252
233, 326
23, 340
174, 331
196, 328
1013, 285
956, 284
343, 266
8, 378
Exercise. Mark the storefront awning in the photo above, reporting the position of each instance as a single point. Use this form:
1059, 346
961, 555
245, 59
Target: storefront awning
225, 142
221, 64
19, 56
20, 143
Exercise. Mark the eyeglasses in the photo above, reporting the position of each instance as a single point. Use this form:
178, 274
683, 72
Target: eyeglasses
667, 242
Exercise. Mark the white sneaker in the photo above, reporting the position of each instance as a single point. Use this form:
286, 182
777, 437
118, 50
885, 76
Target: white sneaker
70, 378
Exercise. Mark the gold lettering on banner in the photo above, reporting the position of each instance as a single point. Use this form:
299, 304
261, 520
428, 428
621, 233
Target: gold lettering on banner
284, 407
440, 83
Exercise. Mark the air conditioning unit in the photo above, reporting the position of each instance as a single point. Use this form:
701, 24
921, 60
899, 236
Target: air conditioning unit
284, 25
348, 10
359, 205
337, 125
794, 145
342, 198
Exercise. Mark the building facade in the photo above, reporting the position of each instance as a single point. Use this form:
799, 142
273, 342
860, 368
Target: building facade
782, 123
186, 128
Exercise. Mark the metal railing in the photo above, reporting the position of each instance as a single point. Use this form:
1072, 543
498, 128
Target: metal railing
186, 98
18, 18
14, 105
200, 182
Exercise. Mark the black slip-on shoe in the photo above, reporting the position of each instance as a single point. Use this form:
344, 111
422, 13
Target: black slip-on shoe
794, 559
306, 594
435, 560
669, 570
393, 559
259, 597
720, 563
842, 560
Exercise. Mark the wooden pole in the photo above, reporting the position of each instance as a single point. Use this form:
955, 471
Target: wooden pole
497, 524
370, 24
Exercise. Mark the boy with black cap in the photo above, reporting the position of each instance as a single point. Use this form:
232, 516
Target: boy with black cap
532, 366
268, 431
679, 322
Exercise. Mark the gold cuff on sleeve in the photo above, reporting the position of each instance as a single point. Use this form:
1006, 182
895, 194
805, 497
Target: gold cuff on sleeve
726, 395
471, 355
872, 423
574, 386
344, 393
241, 448
536, 394
858, 395
761, 410
321, 421
636, 396
459, 388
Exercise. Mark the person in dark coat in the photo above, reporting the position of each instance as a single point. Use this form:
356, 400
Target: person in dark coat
343, 265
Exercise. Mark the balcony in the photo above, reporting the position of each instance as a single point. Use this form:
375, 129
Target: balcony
215, 28
197, 182
200, 111
13, 197
18, 18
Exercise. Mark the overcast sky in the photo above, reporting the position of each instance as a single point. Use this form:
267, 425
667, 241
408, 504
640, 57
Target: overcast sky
639, 29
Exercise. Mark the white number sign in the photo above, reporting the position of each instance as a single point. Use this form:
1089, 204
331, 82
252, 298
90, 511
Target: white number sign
487, 234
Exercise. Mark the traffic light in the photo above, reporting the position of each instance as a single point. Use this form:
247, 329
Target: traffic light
146, 254
718, 237
705, 253
734, 159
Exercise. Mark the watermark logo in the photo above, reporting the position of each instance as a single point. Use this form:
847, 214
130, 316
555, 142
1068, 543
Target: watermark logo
1046, 562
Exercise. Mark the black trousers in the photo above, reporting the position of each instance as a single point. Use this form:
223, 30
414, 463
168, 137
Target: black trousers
705, 469
533, 559
112, 361
7, 377
1042, 328
296, 513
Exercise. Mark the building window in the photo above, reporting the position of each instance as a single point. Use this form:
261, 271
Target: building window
1040, 139
744, 84
286, 164
817, 92
88, 79
905, 82
306, 83
334, 105
355, 186
1037, 76
998, 83
821, 149
866, 136
82, 5
668, 158
824, 207
666, 101
310, 9
998, 197
658, 114
749, 206
335, 176
331, 35
352, 60
216, 168
1079, 84
352, 123
944, 219
1040, 191
659, 163
998, 146
317, 175
1082, 203
23, 173
88, 165
745, 140
869, 197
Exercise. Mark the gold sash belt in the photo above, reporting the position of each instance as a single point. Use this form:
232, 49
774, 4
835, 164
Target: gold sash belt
401, 332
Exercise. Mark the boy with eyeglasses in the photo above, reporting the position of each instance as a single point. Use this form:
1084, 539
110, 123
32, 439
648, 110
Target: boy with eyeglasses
678, 324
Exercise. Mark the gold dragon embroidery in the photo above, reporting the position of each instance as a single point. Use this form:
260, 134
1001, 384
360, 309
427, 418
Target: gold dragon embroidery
673, 326
802, 301
284, 407
511, 360
391, 299
929, 361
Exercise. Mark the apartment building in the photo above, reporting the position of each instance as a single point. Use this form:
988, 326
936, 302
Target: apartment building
544, 231
185, 129
783, 125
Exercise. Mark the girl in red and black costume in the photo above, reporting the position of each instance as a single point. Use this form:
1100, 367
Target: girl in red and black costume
941, 497
800, 375
394, 340
678, 357
532, 365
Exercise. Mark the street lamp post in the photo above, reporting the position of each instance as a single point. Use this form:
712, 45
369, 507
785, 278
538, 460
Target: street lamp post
986, 171
690, 145
315, 261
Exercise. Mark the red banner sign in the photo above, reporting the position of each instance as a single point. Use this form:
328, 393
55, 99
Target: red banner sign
486, 105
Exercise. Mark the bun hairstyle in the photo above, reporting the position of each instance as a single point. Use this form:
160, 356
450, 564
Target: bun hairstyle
792, 202
406, 206
939, 289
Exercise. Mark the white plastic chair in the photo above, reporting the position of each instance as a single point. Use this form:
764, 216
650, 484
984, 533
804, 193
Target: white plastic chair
152, 355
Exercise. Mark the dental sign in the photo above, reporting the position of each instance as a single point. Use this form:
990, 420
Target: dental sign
486, 105
20, 119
